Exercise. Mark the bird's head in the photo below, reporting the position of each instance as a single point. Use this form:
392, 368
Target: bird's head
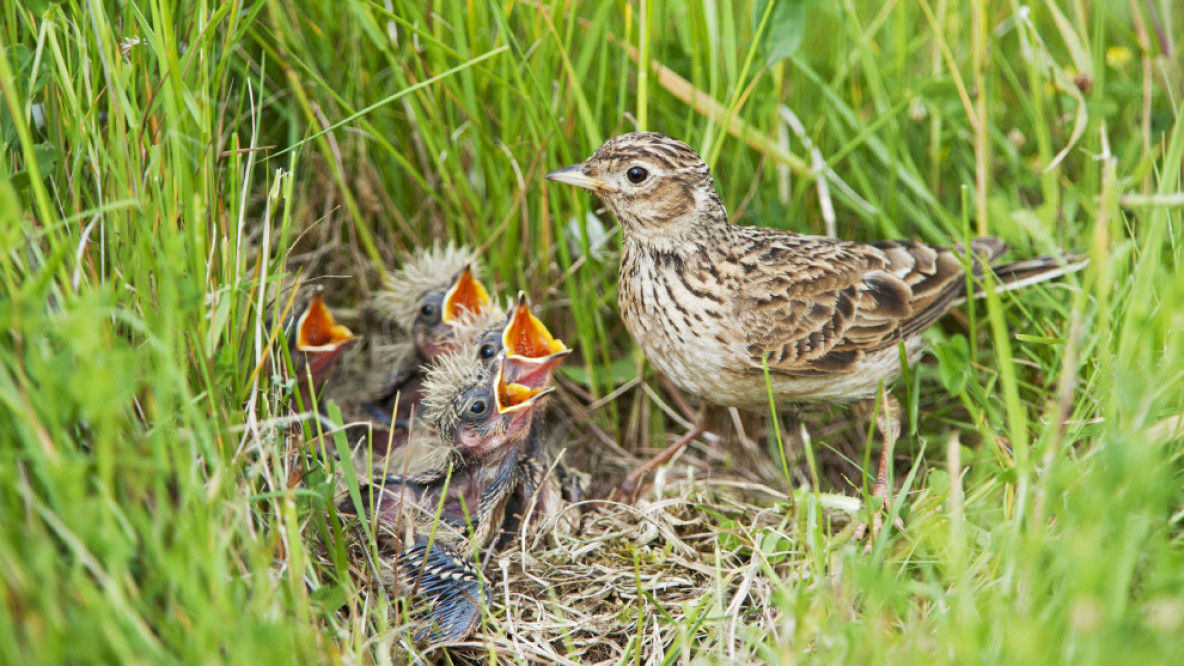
438, 312
316, 341
475, 408
480, 334
429, 295
658, 187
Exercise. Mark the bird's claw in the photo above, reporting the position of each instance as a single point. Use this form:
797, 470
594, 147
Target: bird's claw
877, 525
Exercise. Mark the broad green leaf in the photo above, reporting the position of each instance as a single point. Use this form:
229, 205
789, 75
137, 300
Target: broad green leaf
953, 363
784, 30
47, 156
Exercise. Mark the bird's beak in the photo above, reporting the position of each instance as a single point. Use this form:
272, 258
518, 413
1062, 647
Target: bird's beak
574, 175
515, 397
532, 353
318, 332
320, 341
533, 372
466, 294
525, 335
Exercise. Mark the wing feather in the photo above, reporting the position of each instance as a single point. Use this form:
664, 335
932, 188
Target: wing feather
813, 305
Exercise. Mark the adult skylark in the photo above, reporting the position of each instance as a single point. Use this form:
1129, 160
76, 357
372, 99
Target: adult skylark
712, 304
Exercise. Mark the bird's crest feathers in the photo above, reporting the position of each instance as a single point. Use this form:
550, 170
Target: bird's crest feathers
429, 269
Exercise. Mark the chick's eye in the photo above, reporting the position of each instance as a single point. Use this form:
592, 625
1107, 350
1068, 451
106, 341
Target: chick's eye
427, 310
487, 351
636, 174
478, 407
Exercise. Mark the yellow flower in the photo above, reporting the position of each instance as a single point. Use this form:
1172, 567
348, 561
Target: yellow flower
1118, 56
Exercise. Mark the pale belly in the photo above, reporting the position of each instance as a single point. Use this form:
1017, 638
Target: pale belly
749, 389
695, 354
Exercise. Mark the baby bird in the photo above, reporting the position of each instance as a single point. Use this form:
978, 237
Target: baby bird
521, 374
457, 478
713, 304
395, 401
425, 297
315, 342
531, 356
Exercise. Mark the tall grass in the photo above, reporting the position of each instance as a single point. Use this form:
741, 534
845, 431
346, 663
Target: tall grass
170, 167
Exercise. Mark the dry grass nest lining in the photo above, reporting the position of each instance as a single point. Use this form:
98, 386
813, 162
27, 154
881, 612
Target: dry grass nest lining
575, 598
685, 552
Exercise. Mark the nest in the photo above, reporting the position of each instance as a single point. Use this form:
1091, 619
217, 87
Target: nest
625, 578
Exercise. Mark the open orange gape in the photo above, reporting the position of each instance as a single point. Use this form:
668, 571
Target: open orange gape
466, 294
516, 402
532, 353
318, 331
315, 345
513, 397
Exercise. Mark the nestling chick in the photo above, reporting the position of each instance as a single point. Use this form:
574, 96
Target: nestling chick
432, 289
457, 479
394, 403
315, 342
435, 298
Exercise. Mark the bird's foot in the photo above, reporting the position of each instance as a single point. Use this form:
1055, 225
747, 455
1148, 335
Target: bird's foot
452, 587
862, 530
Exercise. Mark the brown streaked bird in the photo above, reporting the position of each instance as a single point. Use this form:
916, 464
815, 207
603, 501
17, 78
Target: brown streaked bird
712, 303
464, 464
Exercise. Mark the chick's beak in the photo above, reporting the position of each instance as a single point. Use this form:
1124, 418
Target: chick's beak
318, 331
467, 294
515, 397
320, 341
526, 336
574, 175
532, 353
533, 372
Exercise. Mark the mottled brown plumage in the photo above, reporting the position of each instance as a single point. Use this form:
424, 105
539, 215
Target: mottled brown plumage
711, 303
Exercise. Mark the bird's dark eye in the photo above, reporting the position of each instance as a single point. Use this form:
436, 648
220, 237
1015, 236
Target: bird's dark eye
478, 407
636, 174
487, 351
427, 310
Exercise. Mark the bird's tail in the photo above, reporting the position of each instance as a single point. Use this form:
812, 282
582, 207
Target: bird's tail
1018, 274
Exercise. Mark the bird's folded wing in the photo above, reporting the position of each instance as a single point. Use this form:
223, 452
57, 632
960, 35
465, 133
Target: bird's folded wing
810, 305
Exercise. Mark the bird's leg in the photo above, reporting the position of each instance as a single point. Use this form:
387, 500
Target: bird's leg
628, 487
887, 420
